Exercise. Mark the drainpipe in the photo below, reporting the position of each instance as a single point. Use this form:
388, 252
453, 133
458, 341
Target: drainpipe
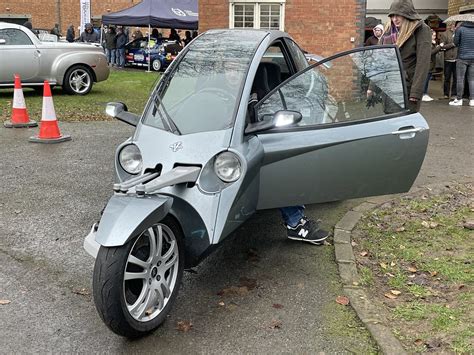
58, 13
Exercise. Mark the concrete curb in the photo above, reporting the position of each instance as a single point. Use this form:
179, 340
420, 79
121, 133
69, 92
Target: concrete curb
366, 310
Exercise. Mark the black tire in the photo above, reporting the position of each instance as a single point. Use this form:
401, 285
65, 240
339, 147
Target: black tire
111, 291
156, 65
73, 86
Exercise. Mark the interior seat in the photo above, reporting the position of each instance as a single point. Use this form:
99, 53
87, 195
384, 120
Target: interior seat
267, 77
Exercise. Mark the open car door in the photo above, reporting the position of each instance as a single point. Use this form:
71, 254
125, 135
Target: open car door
356, 137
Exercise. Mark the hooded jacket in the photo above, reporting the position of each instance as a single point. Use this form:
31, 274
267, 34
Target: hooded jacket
415, 51
464, 39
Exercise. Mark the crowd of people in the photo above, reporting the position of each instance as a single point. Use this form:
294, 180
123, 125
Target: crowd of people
456, 44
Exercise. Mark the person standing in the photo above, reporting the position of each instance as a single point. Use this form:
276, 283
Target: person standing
174, 36
413, 37
137, 34
89, 35
70, 34
374, 40
450, 55
435, 48
464, 40
55, 30
187, 38
110, 45
120, 51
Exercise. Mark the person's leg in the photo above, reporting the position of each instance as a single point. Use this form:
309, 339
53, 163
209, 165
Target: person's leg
112, 56
107, 54
301, 228
470, 79
427, 97
454, 79
461, 68
447, 78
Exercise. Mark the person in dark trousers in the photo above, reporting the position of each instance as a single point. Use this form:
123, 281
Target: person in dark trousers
374, 40
464, 40
450, 54
121, 41
70, 34
110, 45
89, 35
413, 37
187, 37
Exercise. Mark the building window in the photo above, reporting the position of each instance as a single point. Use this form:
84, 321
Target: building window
263, 14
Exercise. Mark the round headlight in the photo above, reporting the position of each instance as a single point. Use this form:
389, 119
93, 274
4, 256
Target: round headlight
130, 159
227, 167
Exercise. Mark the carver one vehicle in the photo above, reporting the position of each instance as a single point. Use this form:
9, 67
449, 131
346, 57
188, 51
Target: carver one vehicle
242, 122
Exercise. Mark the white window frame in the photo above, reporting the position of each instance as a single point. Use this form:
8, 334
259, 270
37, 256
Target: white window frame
256, 12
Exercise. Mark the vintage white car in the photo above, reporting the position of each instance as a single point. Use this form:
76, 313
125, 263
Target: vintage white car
74, 66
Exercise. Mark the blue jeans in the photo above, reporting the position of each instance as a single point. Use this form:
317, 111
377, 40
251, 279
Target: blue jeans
110, 53
120, 57
463, 67
292, 215
427, 84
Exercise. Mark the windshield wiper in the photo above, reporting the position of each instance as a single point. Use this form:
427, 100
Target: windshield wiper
165, 117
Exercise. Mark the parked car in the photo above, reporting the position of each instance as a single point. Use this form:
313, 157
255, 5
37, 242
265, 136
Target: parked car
74, 66
163, 52
241, 122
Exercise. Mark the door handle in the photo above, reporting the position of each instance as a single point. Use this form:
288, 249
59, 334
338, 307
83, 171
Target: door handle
408, 133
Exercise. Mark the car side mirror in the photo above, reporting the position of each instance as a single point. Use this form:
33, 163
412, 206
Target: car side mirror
119, 111
2, 41
282, 118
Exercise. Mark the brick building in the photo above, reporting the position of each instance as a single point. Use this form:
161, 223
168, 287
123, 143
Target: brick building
460, 6
320, 26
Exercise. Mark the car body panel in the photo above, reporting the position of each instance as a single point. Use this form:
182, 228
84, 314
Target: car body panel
51, 60
137, 53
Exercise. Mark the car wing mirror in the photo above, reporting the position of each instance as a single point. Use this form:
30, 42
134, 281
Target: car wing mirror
119, 111
284, 118
2, 41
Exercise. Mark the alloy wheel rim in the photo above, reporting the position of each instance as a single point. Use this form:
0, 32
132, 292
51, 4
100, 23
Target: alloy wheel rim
156, 65
151, 272
80, 81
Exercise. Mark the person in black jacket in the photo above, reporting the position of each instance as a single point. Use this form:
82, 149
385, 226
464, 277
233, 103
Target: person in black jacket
464, 40
70, 34
121, 41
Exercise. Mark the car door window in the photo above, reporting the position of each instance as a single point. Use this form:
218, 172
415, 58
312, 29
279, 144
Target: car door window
357, 85
14, 37
275, 54
298, 56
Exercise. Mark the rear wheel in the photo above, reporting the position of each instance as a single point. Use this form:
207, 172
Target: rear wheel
78, 80
136, 284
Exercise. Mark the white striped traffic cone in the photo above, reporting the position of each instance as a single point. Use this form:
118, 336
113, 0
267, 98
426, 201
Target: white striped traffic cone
49, 129
19, 116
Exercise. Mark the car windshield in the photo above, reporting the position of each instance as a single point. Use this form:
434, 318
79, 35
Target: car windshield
201, 93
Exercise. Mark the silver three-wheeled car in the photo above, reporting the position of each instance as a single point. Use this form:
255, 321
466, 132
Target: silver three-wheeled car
242, 121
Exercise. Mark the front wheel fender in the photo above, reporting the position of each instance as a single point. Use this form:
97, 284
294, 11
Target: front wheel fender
127, 216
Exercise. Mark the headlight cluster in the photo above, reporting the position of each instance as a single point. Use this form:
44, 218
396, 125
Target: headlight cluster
227, 167
130, 159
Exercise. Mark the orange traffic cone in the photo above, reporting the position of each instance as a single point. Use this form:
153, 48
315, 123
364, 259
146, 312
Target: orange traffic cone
20, 116
49, 129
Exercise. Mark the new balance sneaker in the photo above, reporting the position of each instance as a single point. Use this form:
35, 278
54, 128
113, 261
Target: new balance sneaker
426, 98
456, 102
307, 231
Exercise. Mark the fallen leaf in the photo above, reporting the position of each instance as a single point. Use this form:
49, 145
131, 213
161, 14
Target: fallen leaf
412, 276
3, 302
412, 269
418, 342
276, 324
353, 243
392, 264
389, 295
400, 229
184, 326
425, 224
433, 273
355, 283
277, 306
383, 265
402, 247
461, 286
364, 253
222, 304
81, 291
342, 300
395, 292
389, 274
249, 283
433, 225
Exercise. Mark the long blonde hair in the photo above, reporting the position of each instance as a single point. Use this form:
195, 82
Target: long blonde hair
406, 30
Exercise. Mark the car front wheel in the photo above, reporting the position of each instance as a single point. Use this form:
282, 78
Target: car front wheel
78, 80
135, 285
156, 64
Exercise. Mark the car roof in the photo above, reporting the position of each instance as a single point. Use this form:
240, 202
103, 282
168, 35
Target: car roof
9, 25
274, 34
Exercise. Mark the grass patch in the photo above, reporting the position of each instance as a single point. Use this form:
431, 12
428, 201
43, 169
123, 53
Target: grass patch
419, 246
132, 87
